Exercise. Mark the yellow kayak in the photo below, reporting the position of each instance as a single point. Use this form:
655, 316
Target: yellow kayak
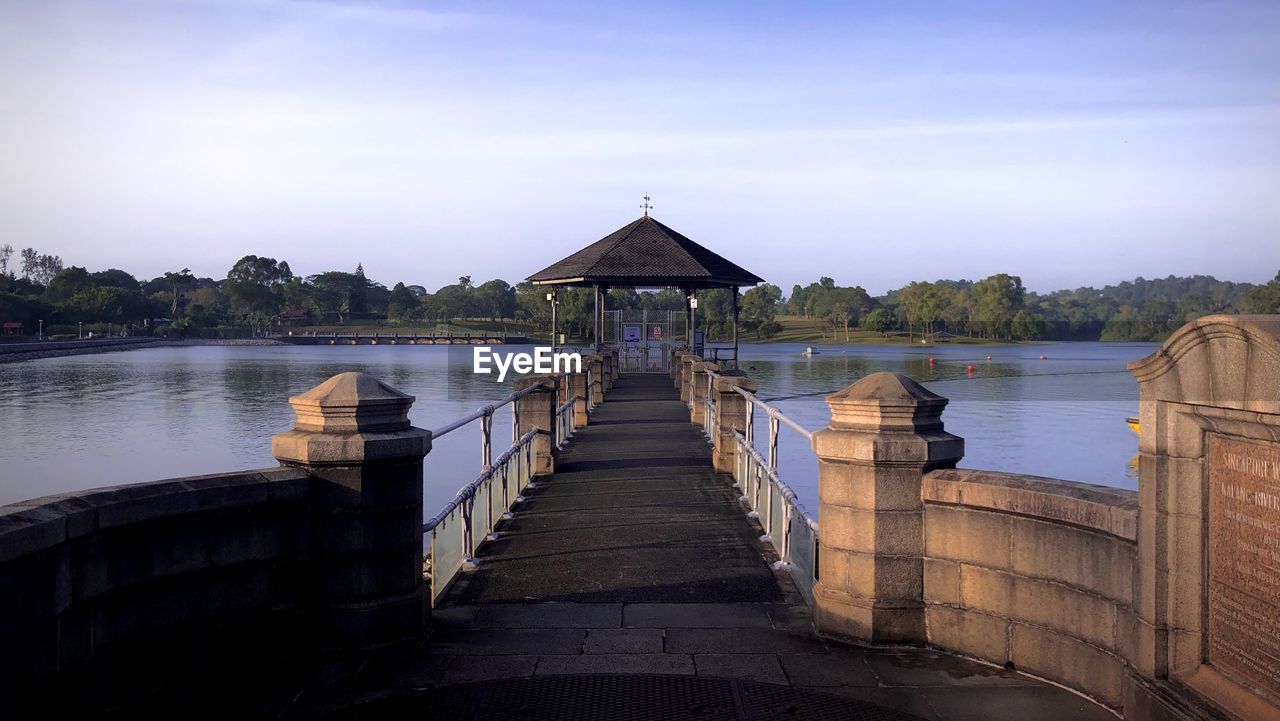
1133, 423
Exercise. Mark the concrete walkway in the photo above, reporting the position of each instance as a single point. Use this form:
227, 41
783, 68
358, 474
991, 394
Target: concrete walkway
634, 566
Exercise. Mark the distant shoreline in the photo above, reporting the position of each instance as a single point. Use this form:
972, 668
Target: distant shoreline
37, 350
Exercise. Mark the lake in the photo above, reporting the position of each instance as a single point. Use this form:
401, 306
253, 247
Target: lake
98, 420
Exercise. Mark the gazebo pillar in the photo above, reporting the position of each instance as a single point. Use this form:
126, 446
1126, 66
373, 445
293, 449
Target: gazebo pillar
734, 289
596, 320
554, 297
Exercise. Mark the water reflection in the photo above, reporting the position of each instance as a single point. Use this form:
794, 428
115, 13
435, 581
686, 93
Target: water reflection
87, 421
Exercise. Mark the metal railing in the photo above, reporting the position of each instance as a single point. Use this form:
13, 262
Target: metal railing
471, 518
790, 528
564, 421
710, 410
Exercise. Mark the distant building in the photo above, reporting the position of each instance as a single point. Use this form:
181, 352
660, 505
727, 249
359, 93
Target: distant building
12, 328
292, 316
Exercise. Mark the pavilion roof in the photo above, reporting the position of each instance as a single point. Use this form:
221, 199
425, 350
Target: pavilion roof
645, 254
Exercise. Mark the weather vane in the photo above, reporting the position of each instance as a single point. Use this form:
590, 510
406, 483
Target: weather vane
646, 205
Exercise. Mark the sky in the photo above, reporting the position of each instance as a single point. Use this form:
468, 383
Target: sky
1070, 143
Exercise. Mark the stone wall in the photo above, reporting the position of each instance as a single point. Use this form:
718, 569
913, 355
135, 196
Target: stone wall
111, 593
132, 581
1033, 573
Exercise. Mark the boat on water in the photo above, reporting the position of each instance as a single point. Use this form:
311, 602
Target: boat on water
1133, 423
811, 351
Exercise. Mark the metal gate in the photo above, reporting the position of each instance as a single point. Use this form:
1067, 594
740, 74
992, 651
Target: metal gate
644, 338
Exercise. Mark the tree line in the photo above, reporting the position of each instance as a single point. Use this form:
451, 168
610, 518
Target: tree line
259, 293
1000, 308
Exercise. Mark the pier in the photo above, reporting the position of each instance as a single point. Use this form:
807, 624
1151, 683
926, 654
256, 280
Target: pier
395, 338
629, 548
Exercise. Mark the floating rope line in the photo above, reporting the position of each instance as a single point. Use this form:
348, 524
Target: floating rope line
962, 376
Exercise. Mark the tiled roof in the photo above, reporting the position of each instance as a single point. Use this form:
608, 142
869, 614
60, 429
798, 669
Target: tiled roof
646, 253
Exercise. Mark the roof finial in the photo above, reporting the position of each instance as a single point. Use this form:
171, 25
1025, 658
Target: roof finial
646, 205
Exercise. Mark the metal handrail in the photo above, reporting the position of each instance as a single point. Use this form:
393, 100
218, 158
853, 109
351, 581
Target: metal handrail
515, 464
787, 493
484, 411
767, 497
564, 421
773, 412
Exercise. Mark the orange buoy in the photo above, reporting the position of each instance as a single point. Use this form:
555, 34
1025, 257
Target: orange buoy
1044, 357
970, 369
988, 357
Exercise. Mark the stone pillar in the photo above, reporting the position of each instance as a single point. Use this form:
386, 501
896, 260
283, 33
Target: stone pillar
578, 389
596, 364
698, 390
675, 367
686, 374
538, 412
885, 433
353, 438
610, 357
1208, 480
732, 410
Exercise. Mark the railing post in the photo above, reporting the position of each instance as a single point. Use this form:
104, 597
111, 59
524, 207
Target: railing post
686, 375
731, 407
698, 390
609, 356
596, 363
578, 389
886, 431
537, 411
353, 437
675, 367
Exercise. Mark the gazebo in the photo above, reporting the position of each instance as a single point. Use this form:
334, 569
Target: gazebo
646, 254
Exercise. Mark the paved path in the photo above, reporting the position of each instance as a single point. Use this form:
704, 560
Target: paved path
632, 577
634, 513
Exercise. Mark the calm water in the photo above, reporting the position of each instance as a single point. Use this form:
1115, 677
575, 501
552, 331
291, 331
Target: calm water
88, 421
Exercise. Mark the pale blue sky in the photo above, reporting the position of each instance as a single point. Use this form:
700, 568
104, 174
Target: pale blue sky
1068, 142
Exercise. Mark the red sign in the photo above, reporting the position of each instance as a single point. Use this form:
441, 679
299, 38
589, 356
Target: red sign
657, 331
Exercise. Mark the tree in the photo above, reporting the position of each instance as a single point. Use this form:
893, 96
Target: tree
254, 287
6, 252
496, 299
880, 320
30, 263
402, 304
1027, 326
1263, 299
532, 304
456, 301
760, 306
177, 281
338, 292
845, 306
117, 279
923, 303
105, 303
995, 301
67, 283
47, 267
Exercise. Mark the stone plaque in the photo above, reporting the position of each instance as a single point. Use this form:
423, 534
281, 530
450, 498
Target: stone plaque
1244, 561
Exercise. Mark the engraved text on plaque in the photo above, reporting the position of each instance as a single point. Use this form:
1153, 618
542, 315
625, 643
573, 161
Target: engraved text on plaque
1244, 561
